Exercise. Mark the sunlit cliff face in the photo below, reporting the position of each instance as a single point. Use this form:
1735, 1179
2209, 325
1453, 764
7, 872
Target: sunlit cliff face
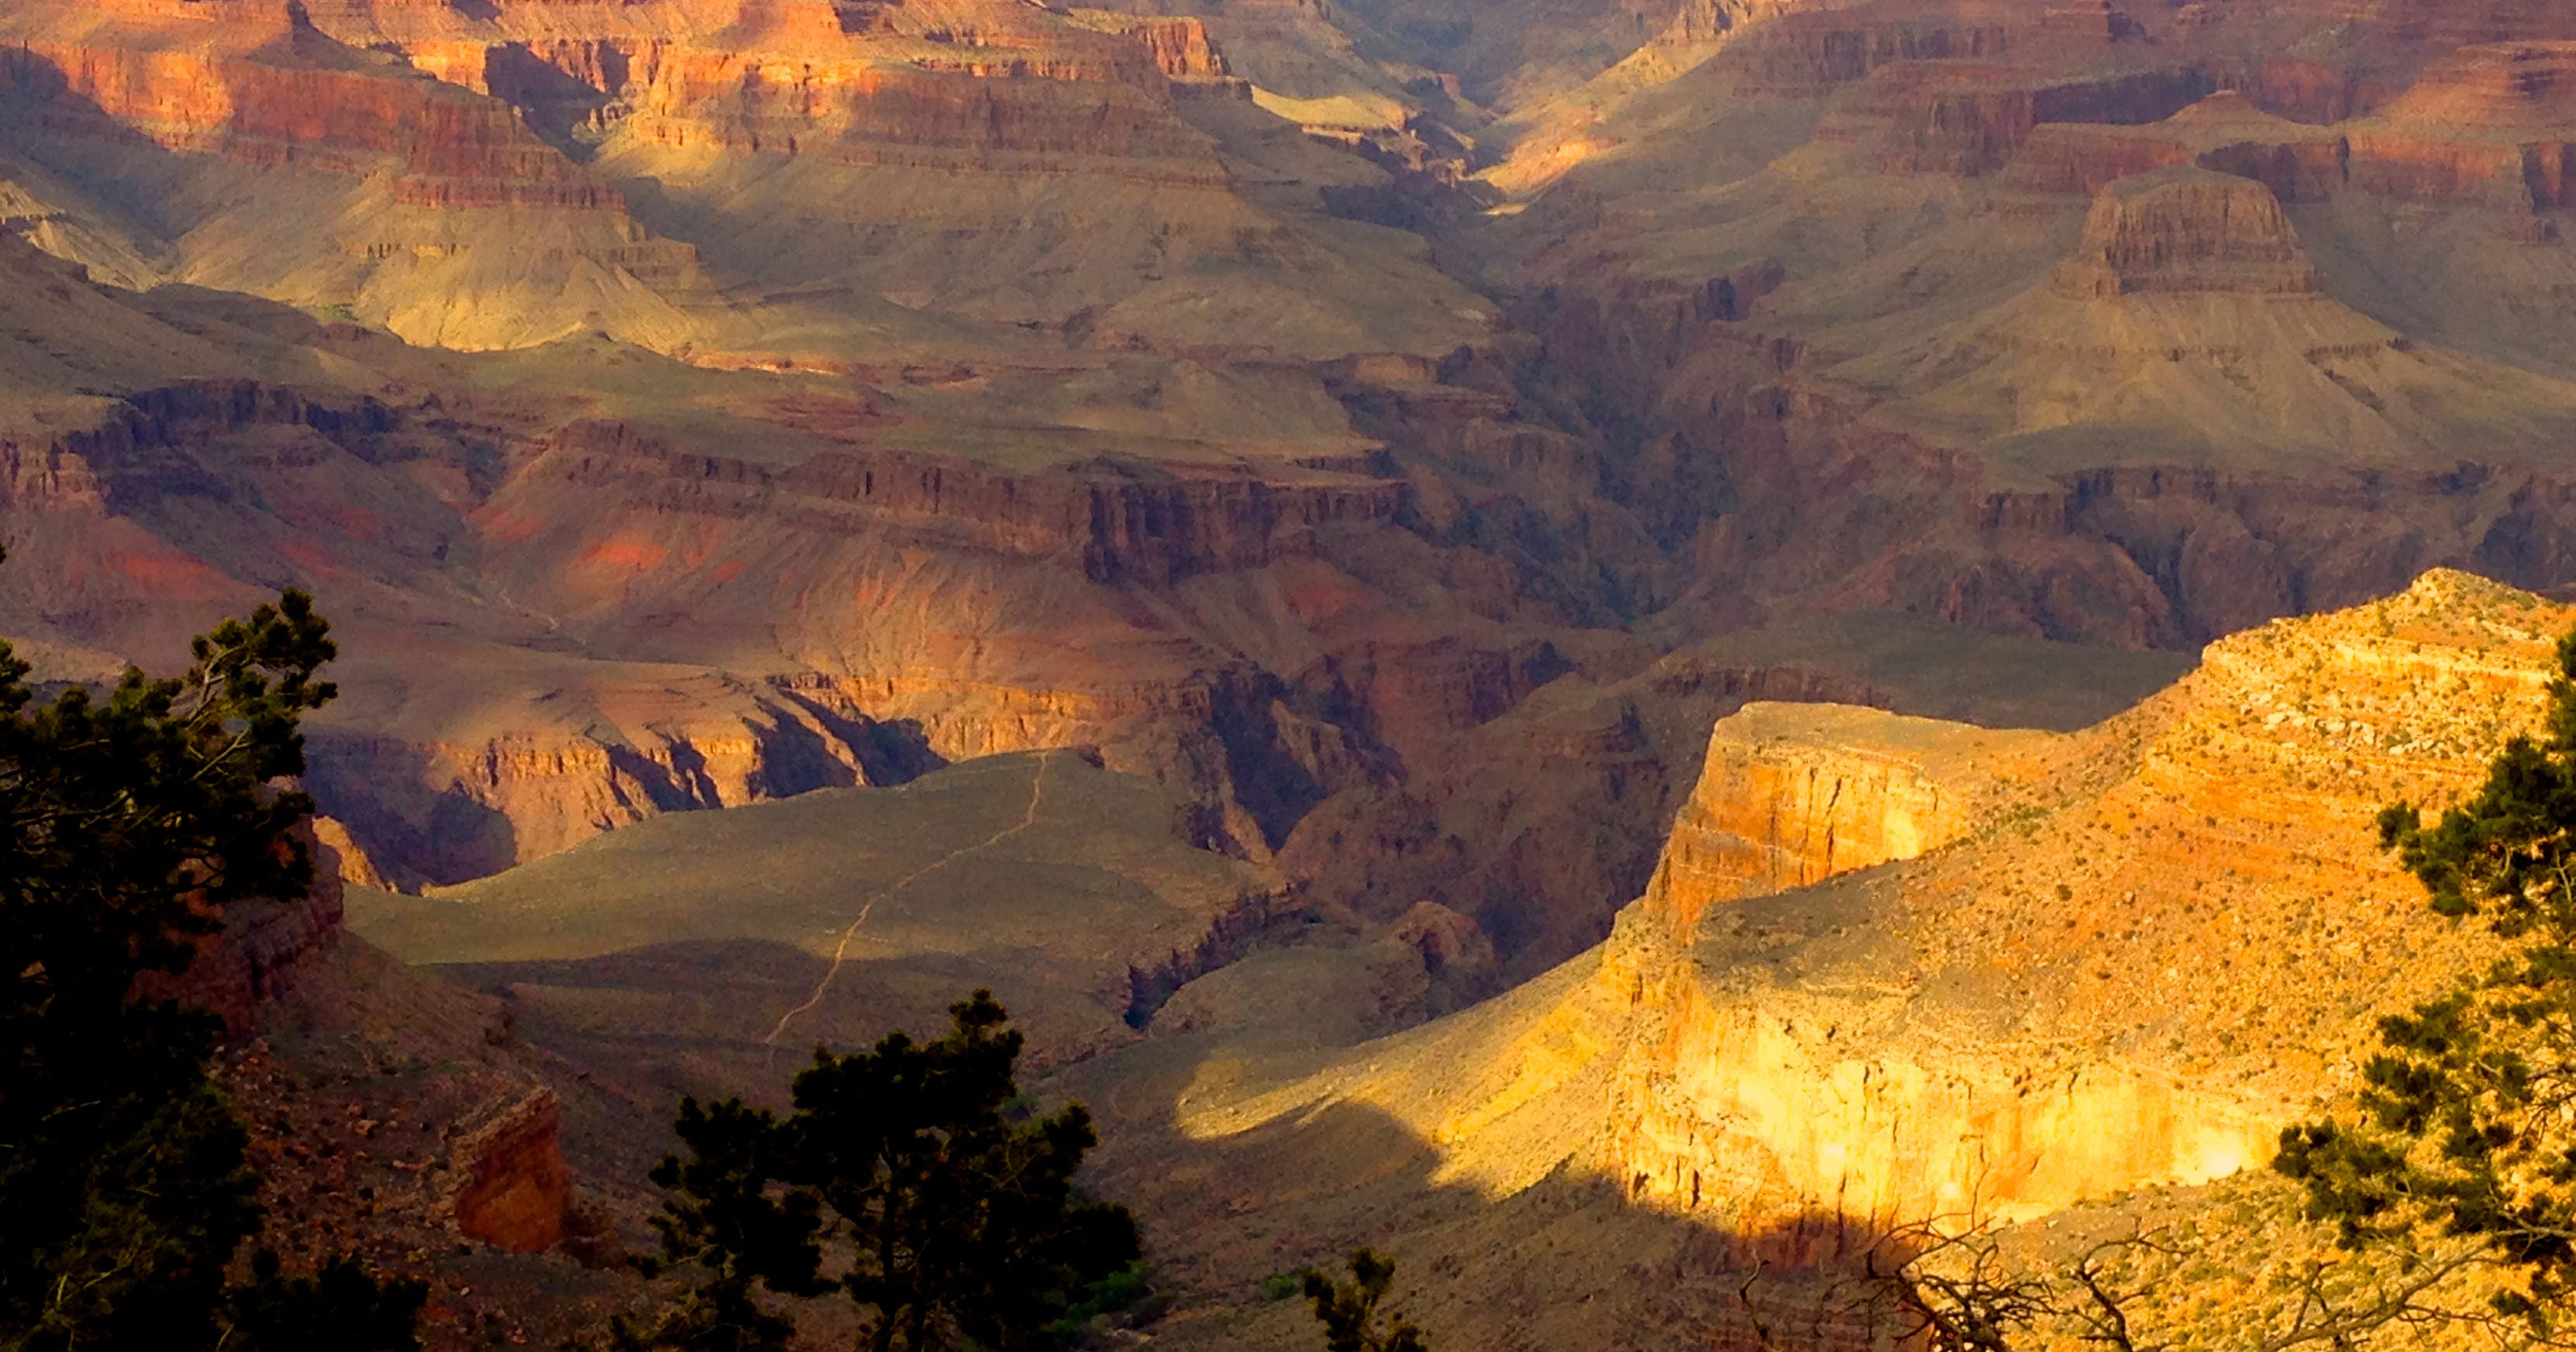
2035, 968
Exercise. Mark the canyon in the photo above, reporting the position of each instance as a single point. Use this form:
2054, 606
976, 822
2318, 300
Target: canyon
2113, 967
1362, 449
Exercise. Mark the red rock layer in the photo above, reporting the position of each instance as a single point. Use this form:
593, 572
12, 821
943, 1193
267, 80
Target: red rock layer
1119, 520
258, 955
1967, 118
856, 84
512, 1189
2489, 126
1808, 53
300, 100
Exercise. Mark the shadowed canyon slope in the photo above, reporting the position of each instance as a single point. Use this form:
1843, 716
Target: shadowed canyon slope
2039, 970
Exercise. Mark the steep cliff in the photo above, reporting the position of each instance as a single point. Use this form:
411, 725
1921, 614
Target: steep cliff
1972, 1022
1794, 794
509, 1169
253, 102
2485, 126
2153, 942
2189, 231
264, 948
389, 1117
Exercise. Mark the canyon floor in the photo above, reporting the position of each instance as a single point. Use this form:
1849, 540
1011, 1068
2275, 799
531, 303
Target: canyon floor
1233, 523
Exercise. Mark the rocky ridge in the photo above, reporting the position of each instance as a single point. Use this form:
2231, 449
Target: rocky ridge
2177, 922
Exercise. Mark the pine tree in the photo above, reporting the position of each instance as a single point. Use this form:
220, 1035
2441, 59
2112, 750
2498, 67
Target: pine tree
2466, 1124
128, 825
947, 1223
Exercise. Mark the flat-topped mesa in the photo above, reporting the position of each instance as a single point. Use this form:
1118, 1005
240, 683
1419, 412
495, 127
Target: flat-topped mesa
2227, 132
2493, 125
2189, 231
1792, 794
1970, 118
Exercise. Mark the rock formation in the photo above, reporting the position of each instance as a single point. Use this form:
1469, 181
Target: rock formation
2151, 944
2177, 969
511, 1185
265, 946
2185, 231
1794, 794
363, 1144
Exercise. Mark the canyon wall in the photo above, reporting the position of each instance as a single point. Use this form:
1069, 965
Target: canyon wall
278, 969
262, 950
2050, 1009
1793, 794
1120, 521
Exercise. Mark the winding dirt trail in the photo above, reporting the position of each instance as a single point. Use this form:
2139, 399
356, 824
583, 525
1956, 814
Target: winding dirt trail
841, 950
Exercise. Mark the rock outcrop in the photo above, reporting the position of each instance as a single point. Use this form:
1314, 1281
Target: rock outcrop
1116, 521
2489, 126
2138, 953
511, 1186
1794, 794
2060, 1010
277, 971
2185, 231
1970, 119
257, 95
2227, 132
263, 949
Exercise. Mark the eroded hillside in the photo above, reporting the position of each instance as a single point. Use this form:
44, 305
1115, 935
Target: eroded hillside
687, 405
2122, 960
1364, 446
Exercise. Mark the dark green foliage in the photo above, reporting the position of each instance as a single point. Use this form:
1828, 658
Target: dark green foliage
2466, 1125
341, 1306
128, 823
727, 1219
1282, 1285
904, 1181
1349, 1310
1118, 1293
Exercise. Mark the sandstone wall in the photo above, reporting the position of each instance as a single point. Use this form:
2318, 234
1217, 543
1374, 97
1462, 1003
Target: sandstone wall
2173, 937
1793, 794
1780, 1111
511, 1186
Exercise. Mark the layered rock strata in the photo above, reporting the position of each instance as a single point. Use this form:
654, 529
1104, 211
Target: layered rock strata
2485, 127
2138, 952
1793, 794
1959, 1036
1117, 521
2183, 231
511, 1186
